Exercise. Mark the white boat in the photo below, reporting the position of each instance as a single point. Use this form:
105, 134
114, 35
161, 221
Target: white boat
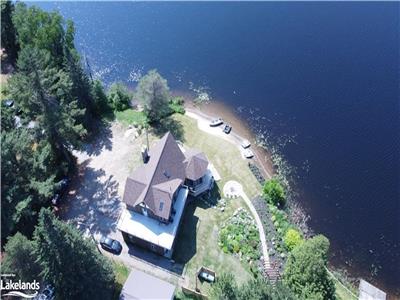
248, 153
216, 122
245, 144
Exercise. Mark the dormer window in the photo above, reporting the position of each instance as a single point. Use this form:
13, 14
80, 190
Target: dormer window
161, 206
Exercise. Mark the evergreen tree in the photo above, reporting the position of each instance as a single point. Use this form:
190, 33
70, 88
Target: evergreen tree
44, 95
119, 97
19, 258
305, 272
71, 263
41, 30
81, 86
100, 98
225, 288
153, 92
8, 33
27, 179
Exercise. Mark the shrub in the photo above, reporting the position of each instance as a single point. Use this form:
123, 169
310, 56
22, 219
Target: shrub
292, 239
274, 193
119, 97
176, 105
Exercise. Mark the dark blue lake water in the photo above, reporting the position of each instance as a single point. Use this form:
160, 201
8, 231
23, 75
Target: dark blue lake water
322, 79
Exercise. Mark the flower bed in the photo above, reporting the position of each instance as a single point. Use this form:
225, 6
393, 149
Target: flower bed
239, 235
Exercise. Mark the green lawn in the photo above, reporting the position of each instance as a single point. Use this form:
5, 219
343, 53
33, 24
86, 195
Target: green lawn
197, 243
131, 117
224, 155
121, 274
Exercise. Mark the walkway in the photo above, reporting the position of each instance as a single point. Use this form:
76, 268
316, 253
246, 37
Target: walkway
235, 189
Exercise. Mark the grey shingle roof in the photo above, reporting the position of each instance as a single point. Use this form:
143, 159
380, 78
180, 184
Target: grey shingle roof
157, 181
196, 164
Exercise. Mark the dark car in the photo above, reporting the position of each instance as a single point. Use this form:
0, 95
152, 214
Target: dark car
61, 188
46, 294
227, 129
110, 245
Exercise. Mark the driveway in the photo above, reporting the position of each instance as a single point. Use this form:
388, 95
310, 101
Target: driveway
94, 198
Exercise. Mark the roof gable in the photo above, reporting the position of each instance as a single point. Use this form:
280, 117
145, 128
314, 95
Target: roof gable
157, 180
196, 164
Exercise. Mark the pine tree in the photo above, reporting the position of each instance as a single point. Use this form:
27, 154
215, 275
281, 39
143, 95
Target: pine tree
44, 95
71, 263
28, 179
20, 259
8, 33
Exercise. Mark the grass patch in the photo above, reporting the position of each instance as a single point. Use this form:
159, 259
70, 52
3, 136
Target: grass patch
131, 117
3, 86
342, 293
224, 155
198, 237
121, 274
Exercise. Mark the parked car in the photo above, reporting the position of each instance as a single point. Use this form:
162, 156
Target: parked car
245, 144
216, 122
61, 188
46, 294
110, 245
227, 129
248, 153
207, 277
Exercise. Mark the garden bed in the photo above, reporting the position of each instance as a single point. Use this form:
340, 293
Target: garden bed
239, 236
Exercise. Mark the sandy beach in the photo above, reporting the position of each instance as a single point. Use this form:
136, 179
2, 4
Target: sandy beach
240, 130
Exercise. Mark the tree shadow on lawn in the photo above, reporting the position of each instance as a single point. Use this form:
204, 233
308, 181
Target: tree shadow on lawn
171, 125
99, 139
186, 244
93, 201
155, 259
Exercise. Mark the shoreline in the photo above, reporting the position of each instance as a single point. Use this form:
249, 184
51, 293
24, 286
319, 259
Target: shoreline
204, 113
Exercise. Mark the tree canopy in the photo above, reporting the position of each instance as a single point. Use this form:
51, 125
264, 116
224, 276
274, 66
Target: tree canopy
20, 258
305, 271
274, 192
292, 238
153, 92
54, 104
226, 288
8, 33
71, 263
119, 97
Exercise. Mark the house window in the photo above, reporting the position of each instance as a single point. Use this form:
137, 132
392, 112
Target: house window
161, 206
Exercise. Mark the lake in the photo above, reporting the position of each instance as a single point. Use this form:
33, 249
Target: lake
320, 81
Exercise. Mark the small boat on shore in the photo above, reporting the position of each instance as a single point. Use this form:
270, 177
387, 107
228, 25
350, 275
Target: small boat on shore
245, 144
216, 122
248, 153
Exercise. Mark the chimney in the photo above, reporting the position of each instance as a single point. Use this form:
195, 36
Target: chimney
145, 155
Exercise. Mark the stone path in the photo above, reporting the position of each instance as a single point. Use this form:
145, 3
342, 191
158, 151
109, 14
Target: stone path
233, 189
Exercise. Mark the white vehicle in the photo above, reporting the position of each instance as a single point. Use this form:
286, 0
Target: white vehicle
245, 144
248, 153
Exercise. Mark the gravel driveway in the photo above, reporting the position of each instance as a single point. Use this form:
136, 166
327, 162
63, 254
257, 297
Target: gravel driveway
94, 198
